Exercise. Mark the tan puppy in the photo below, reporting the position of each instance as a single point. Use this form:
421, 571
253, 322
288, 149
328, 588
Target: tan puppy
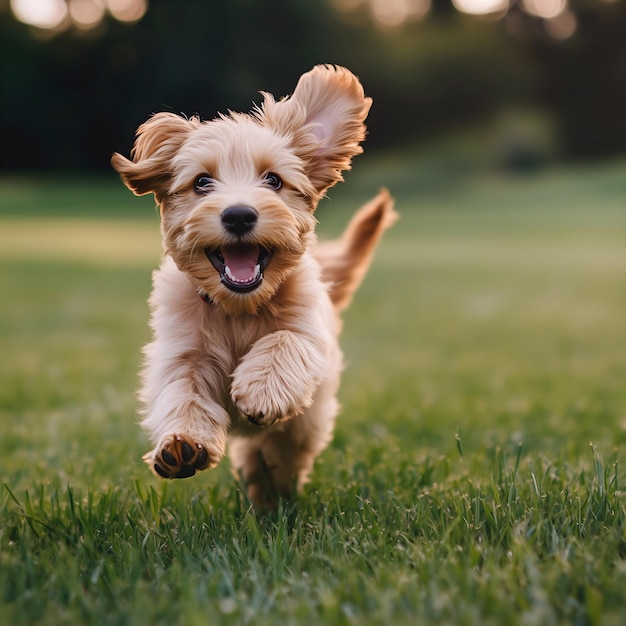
245, 303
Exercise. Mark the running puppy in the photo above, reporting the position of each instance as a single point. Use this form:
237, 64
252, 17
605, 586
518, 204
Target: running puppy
245, 304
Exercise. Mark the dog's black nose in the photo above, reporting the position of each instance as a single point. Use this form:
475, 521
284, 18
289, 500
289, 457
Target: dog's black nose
239, 219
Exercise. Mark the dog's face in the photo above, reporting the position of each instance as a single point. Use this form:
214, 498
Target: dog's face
237, 194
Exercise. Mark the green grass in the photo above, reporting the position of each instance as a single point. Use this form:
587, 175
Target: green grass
476, 476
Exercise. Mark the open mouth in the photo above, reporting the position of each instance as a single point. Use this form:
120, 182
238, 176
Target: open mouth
240, 265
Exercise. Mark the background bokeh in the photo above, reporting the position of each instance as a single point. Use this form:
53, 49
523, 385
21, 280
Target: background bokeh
541, 79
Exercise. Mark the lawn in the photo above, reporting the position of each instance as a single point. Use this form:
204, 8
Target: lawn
476, 475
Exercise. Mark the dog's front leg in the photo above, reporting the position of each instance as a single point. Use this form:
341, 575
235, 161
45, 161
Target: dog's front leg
181, 411
189, 430
278, 377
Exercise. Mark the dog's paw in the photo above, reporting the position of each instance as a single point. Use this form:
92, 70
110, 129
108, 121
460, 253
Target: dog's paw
276, 380
264, 409
178, 457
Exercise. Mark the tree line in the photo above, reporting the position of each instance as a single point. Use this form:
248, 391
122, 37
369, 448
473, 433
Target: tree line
68, 101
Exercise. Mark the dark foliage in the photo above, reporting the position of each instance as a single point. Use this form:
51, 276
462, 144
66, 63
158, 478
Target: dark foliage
69, 101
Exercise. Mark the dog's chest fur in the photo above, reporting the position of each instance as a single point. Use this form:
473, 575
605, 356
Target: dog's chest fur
217, 340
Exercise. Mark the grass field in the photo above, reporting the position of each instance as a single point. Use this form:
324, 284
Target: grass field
476, 476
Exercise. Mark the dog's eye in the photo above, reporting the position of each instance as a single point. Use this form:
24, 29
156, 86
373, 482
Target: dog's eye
273, 181
203, 183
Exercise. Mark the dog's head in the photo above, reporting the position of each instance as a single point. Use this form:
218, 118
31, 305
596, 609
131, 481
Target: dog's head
237, 194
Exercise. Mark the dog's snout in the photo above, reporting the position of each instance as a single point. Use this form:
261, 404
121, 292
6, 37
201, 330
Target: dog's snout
239, 219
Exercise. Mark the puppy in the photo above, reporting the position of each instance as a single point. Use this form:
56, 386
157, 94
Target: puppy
245, 304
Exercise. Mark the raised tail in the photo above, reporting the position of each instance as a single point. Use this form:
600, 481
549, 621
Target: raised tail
345, 261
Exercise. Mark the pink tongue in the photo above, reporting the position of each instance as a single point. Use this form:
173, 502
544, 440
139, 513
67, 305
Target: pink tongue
242, 261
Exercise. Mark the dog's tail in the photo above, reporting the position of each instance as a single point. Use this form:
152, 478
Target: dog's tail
345, 261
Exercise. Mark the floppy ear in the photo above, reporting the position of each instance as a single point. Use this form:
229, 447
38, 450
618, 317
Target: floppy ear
325, 117
157, 142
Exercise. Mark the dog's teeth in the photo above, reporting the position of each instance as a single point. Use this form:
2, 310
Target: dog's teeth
231, 277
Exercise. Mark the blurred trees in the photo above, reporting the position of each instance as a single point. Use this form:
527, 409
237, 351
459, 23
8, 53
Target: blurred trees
70, 100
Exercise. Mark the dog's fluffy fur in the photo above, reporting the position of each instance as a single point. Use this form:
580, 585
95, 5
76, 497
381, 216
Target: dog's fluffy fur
250, 351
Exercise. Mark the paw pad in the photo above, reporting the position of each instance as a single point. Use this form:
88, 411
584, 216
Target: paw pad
178, 458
